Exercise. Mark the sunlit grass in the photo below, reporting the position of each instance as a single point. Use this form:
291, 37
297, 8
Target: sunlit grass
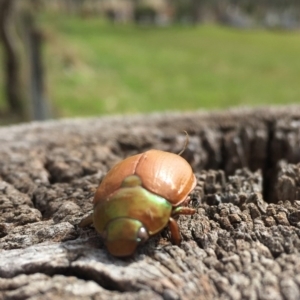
93, 67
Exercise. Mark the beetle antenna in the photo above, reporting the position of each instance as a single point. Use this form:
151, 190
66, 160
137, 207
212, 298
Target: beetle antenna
187, 140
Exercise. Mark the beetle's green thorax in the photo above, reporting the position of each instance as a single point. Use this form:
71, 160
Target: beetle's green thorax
134, 202
131, 203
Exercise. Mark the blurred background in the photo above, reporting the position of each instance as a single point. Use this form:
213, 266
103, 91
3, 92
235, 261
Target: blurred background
67, 58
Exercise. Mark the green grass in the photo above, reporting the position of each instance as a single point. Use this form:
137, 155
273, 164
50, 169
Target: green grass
94, 67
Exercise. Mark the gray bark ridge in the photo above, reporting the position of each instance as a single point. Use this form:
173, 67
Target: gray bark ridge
243, 242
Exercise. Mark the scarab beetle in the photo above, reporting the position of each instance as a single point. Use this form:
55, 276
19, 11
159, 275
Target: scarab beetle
139, 197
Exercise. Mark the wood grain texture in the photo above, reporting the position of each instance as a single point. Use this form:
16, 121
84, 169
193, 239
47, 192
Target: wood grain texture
243, 242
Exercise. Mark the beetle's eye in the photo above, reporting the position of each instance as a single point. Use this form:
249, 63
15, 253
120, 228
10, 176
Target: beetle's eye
142, 235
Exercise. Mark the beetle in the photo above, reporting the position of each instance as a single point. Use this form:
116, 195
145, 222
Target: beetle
139, 197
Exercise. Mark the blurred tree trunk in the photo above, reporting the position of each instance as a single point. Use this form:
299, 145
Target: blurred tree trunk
12, 63
33, 42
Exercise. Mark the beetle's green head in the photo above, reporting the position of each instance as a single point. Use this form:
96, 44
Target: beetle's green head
123, 235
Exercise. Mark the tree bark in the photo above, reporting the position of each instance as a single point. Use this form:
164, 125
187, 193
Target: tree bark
243, 242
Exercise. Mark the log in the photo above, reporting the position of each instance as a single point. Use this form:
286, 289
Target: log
243, 242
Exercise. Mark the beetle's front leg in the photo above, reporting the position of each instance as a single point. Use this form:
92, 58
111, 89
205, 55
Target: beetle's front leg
175, 233
173, 226
183, 210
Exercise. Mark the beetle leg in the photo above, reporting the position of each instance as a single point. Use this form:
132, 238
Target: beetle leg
183, 210
86, 221
175, 233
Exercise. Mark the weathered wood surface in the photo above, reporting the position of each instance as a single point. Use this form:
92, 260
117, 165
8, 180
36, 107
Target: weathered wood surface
243, 243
